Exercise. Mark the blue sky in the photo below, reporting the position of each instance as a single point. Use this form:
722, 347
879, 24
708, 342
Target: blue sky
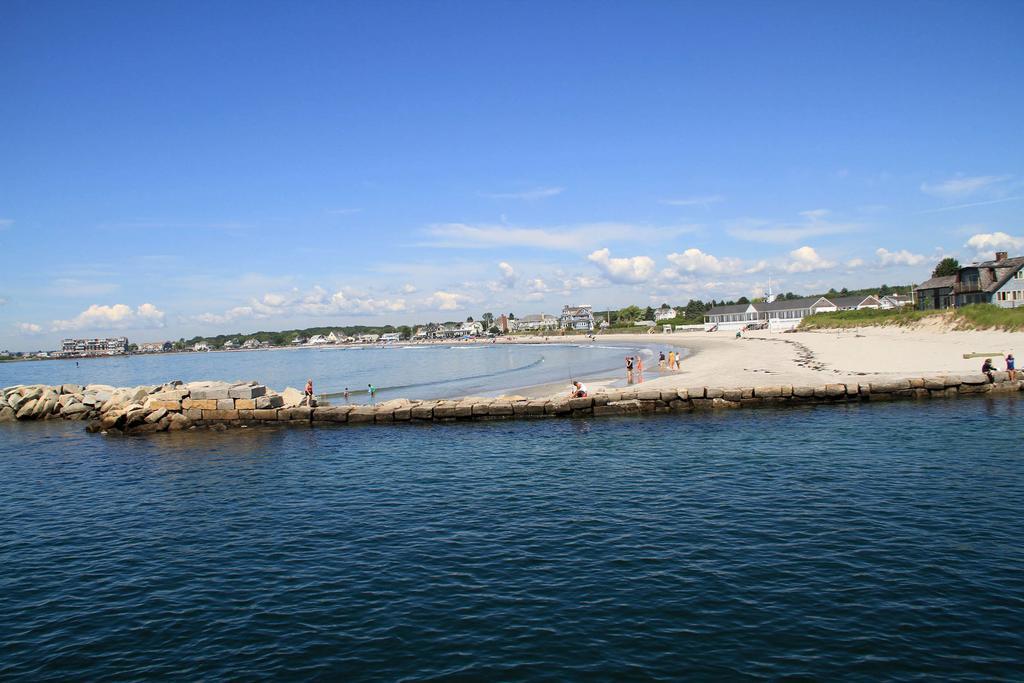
171, 169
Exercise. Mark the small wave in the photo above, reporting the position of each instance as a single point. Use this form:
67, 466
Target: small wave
466, 378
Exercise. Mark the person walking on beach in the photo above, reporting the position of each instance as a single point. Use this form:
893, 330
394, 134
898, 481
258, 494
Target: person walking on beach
307, 396
372, 390
639, 370
661, 359
629, 369
1011, 367
671, 360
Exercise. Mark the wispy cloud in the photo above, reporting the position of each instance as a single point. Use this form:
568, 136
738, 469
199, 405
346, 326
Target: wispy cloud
562, 238
6, 223
342, 212
970, 204
28, 328
962, 186
531, 195
315, 301
760, 230
705, 201
442, 300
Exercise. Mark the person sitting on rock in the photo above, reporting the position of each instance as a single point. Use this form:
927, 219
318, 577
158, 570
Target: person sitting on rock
989, 370
579, 390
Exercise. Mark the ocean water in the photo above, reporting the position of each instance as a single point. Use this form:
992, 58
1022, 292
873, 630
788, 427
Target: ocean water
857, 542
402, 371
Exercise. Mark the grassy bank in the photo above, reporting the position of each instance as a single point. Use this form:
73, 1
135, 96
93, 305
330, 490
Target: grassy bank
976, 317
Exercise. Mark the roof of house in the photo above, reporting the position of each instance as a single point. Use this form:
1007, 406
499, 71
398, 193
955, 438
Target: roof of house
937, 282
850, 301
790, 304
726, 310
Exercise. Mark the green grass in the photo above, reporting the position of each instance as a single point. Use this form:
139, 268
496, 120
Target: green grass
975, 317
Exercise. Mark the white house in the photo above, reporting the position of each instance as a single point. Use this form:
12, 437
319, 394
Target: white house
251, 343
890, 301
665, 313
579, 317
201, 346
855, 303
391, 337
779, 314
367, 338
471, 329
333, 338
534, 322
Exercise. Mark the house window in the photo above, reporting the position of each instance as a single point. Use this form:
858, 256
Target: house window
1001, 296
1019, 275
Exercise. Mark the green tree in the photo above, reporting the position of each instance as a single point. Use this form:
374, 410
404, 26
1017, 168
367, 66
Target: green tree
630, 314
488, 320
743, 300
469, 319
648, 313
947, 266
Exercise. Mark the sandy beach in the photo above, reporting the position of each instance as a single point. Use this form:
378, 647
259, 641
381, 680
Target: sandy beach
812, 358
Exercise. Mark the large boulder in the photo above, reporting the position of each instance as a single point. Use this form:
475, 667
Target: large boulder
71, 389
27, 409
7, 414
291, 397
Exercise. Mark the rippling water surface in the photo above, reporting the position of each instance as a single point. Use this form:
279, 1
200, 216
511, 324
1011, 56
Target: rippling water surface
861, 542
426, 371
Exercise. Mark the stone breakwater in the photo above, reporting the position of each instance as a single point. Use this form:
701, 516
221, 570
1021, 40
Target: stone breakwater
217, 405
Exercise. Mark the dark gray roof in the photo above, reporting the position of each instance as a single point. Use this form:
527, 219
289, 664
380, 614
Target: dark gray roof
725, 310
938, 282
783, 305
850, 301
1016, 261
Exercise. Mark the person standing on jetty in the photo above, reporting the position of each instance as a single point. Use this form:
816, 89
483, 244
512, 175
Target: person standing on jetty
307, 396
372, 390
345, 394
1011, 367
629, 369
639, 370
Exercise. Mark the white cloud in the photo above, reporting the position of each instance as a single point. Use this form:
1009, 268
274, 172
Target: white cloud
343, 212
567, 238
855, 263
695, 261
447, 301
962, 186
29, 328
705, 201
408, 288
316, 301
508, 274
118, 316
898, 258
527, 195
623, 270
815, 214
806, 259
970, 204
987, 243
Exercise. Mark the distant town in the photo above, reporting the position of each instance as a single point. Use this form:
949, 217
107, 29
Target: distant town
999, 282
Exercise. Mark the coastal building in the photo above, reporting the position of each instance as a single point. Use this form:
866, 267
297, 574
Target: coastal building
538, 322
999, 281
936, 293
367, 338
779, 314
470, 329
110, 346
665, 313
201, 346
855, 303
155, 347
502, 323
891, 301
251, 343
317, 340
230, 344
299, 341
391, 337
334, 338
579, 317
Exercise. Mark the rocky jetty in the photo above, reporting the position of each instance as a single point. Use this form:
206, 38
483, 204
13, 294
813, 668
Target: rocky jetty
220, 405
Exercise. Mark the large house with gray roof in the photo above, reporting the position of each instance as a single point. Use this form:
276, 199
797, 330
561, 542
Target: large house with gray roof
999, 282
779, 314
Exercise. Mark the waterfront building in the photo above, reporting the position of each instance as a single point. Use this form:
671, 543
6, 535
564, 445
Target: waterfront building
110, 346
502, 323
251, 343
999, 281
665, 313
201, 346
779, 314
155, 347
855, 303
391, 337
890, 301
538, 322
579, 317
